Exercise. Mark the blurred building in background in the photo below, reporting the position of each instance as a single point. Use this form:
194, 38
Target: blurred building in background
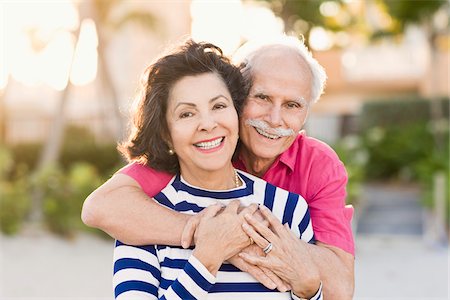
357, 69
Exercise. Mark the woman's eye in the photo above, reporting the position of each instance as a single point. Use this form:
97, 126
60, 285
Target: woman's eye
219, 106
186, 115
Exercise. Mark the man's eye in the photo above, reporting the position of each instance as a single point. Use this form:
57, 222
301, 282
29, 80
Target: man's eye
261, 96
186, 115
294, 105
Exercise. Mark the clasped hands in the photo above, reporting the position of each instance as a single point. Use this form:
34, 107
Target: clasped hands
286, 266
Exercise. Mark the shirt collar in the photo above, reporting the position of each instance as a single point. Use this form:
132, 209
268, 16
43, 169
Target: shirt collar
288, 157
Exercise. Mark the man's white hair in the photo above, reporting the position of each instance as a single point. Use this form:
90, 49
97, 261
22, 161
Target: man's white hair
246, 54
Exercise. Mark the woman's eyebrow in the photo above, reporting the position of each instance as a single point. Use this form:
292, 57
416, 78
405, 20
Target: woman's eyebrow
194, 105
218, 97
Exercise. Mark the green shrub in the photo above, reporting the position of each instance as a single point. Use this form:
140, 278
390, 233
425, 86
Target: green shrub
14, 191
14, 205
79, 145
352, 153
64, 193
399, 136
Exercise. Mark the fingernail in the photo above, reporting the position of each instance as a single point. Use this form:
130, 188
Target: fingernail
245, 225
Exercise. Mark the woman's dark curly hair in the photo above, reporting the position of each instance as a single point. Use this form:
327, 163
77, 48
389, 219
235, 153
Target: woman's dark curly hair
146, 143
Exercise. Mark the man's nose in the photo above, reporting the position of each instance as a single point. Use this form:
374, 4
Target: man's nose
274, 116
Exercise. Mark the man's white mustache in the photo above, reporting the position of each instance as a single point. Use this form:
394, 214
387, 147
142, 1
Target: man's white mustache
262, 125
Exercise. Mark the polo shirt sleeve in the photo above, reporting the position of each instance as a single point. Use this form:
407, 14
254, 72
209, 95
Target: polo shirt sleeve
330, 216
150, 180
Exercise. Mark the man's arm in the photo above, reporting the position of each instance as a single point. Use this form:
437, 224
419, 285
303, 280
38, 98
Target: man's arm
336, 268
120, 208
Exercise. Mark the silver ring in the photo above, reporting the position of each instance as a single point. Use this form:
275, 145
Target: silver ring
268, 248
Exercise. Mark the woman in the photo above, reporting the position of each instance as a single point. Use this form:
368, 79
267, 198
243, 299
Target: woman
186, 123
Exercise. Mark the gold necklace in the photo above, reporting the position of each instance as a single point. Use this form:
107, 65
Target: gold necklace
237, 180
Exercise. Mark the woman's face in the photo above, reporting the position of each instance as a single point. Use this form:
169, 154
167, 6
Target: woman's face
202, 122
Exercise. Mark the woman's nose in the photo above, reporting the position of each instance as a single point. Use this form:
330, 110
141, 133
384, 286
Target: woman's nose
207, 122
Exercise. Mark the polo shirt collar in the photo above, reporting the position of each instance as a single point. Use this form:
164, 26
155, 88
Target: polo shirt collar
289, 157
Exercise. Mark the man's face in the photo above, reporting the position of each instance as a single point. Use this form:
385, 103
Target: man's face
277, 104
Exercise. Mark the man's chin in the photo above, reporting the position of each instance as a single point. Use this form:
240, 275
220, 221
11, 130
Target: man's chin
269, 154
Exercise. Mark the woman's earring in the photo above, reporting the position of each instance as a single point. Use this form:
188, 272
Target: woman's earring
171, 152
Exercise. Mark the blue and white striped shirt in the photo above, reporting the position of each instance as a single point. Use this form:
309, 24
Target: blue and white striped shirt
168, 272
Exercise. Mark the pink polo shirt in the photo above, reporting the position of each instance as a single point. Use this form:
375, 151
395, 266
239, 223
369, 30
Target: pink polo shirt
309, 168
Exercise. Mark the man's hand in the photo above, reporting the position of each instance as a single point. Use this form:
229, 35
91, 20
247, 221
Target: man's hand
188, 235
263, 275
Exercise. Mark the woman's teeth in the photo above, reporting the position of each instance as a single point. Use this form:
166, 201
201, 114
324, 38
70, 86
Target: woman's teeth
267, 135
210, 144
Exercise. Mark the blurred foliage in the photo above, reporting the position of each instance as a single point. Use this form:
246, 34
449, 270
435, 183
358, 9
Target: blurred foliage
399, 135
352, 153
301, 16
79, 146
400, 138
14, 191
64, 194
412, 11
111, 14
339, 15
85, 164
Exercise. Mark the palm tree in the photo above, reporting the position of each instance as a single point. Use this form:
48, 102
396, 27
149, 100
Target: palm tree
101, 12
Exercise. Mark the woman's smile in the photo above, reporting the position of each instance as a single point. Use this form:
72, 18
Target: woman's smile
210, 145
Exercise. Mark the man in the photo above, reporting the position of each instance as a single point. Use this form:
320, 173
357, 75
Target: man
286, 81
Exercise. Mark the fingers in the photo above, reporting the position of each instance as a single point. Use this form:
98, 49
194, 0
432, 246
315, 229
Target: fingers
254, 260
273, 221
251, 209
188, 231
280, 284
211, 210
261, 276
258, 239
233, 207
261, 229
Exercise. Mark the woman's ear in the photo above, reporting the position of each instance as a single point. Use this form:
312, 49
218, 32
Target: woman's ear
169, 144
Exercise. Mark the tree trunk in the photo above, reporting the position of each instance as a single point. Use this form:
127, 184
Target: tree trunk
107, 85
51, 151
50, 154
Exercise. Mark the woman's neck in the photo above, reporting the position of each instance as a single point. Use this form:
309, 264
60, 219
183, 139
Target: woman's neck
223, 179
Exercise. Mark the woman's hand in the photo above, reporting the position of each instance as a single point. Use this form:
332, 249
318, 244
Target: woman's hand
265, 276
219, 236
288, 257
